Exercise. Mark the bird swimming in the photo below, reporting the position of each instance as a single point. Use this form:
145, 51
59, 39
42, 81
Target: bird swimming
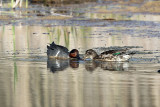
61, 52
109, 55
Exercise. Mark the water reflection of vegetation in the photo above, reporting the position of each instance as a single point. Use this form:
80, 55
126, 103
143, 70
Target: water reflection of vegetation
66, 36
15, 75
57, 32
14, 51
71, 37
14, 3
14, 39
62, 33
26, 3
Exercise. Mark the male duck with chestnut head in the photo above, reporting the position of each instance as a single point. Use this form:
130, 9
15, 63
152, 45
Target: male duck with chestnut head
61, 52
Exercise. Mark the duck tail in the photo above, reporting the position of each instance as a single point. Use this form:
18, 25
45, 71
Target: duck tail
48, 47
51, 45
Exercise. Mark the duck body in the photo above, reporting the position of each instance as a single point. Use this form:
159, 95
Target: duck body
61, 52
100, 50
109, 55
118, 56
57, 51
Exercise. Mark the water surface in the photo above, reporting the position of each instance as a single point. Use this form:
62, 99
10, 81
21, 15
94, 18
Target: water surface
29, 79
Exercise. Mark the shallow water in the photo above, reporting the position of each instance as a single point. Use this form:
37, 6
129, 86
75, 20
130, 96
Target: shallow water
29, 79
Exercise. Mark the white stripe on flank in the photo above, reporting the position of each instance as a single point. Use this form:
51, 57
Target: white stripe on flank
57, 53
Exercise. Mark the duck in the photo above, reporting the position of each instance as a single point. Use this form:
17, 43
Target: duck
61, 52
109, 55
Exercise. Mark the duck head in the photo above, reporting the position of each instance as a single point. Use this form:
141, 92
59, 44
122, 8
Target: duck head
74, 53
90, 54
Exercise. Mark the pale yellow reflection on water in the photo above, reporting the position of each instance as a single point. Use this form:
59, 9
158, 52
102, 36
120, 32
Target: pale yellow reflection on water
30, 84
29, 80
34, 39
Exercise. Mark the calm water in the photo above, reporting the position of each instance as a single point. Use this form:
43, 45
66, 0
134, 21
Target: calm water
29, 79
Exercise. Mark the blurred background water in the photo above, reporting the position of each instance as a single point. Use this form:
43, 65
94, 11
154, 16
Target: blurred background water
29, 79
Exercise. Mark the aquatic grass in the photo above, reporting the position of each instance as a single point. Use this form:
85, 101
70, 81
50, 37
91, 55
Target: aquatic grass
58, 34
26, 3
72, 30
15, 75
82, 32
49, 33
53, 32
12, 3
14, 39
50, 36
15, 65
66, 37
74, 33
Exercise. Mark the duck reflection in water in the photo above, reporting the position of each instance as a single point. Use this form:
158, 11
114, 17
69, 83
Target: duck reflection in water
110, 66
91, 65
115, 66
74, 63
60, 65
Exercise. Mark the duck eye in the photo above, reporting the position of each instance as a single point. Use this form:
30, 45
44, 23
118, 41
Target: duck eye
88, 52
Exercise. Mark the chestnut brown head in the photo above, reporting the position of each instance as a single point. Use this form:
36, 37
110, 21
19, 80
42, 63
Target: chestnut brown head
74, 53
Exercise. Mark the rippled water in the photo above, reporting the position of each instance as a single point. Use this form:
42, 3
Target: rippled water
29, 79
43, 83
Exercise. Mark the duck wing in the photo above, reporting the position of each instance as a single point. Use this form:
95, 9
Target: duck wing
115, 55
100, 50
114, 52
